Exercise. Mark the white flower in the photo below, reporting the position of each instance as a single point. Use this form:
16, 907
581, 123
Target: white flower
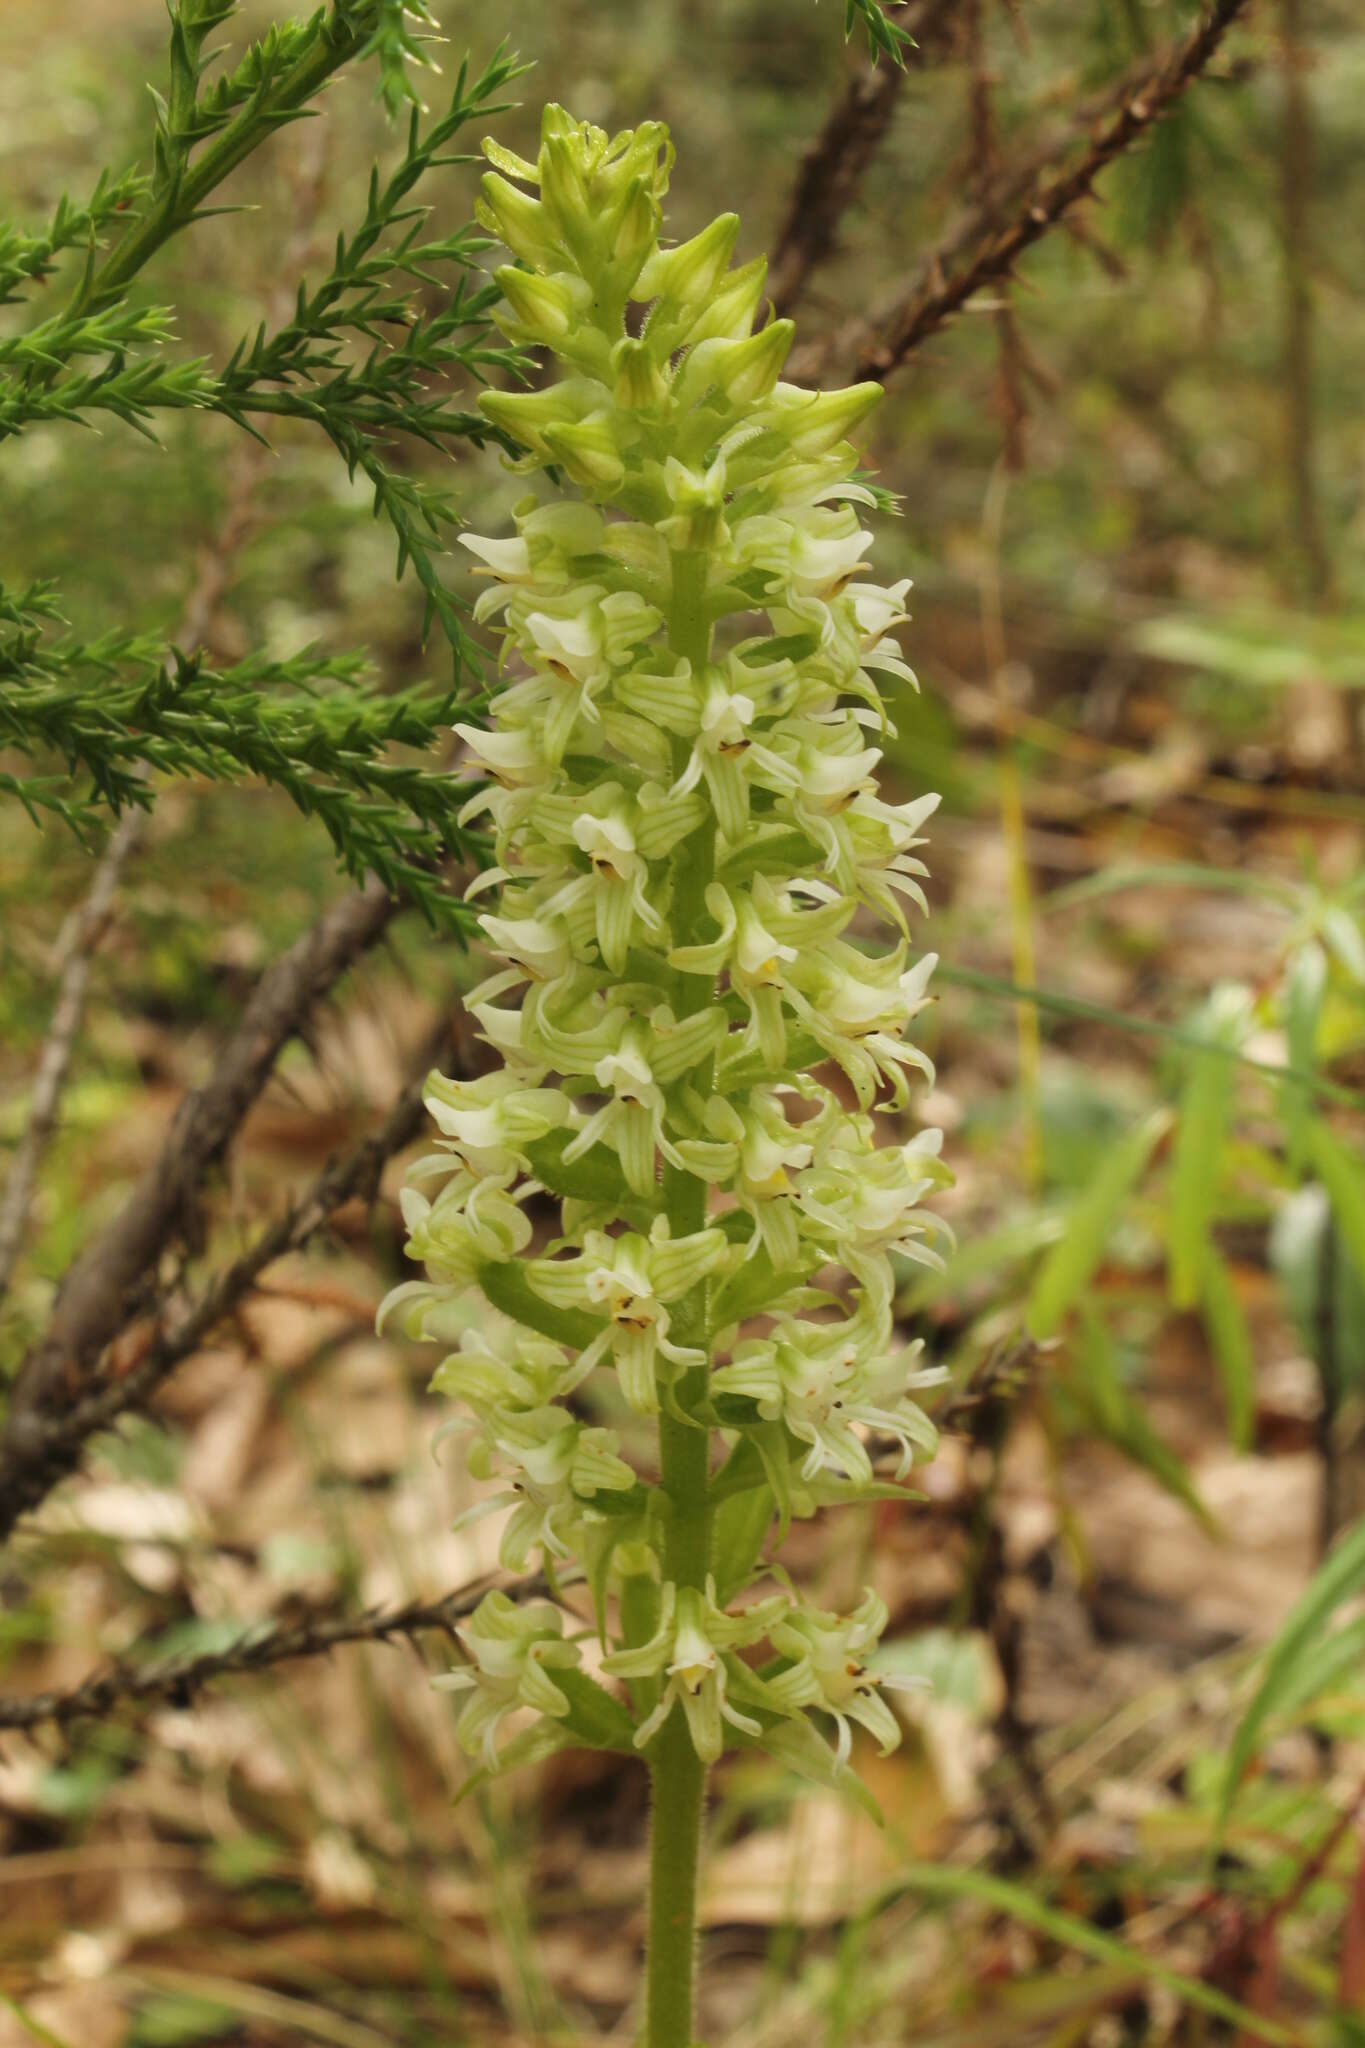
829, 1671
825, 1380
690, 1648
633, 1278
513, 1650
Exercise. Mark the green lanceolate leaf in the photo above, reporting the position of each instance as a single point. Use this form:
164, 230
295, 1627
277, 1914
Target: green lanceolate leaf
1118, 1415
595, 1716
1016, 1902
507, 1287
1343, 1176
594, 1178
1200, 1142
752, 1290
1341, 1578
1069, 1267
1305, 987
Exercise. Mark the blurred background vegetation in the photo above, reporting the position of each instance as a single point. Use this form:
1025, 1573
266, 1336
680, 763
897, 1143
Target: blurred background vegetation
1132, 505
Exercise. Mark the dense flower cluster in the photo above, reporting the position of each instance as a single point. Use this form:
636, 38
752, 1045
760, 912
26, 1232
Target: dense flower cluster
681, 785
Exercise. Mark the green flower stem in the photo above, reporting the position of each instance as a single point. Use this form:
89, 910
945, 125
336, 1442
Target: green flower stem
677, 1772
679, 1779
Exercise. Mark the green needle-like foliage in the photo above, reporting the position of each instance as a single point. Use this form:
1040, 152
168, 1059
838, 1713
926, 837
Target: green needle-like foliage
372, 356
125, 708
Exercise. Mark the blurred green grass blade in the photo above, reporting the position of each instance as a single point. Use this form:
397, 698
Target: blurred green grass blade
979, 1258
1061, 1004
1176, 874
1339, 1657
1115, 1412
1344, 1179
1305, 987
1230, 1341
1340, 1578
939, 1881
1200, 1144
1070, 1265
33, 2029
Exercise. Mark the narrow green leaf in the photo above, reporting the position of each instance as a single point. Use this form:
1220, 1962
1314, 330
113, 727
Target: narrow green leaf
594, 1716
1200, 1141
1340, 1578
1059, 1003
940, 1881
1070, 1265
1305, 986
594, 1178
1344, 1179
752, 1289
1113, 1411
741, 1526
507, 1287
1230, 1341
34, 2029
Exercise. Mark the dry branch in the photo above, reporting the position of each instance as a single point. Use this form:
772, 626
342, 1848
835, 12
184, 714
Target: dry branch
100, 1290
999, 1379
77, 955
355, 1177
1049, 199
832, 168
179, 1680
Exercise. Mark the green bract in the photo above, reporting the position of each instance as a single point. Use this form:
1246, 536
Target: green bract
692, 861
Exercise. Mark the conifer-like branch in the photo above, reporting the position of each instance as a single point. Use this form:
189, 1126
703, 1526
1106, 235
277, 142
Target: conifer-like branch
333, 363
124, 708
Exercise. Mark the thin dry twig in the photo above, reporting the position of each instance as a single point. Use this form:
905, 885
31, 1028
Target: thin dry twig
77, 955
1051, 199
100, 1290
181, 1679
1030, 195
355, 1177
832, 168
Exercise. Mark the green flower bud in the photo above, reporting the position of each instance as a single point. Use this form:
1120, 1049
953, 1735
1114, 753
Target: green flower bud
741, 370
544, 308
527, 414
699, 496
640, 383
588, 453
519, 221
729, 314
564, 191
507, 160
636, 231
813, 422
689, 273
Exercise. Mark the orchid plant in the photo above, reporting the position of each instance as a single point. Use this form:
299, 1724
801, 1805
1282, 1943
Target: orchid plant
689, 997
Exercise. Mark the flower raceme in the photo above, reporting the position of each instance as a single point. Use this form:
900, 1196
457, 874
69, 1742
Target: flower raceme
697, 1025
